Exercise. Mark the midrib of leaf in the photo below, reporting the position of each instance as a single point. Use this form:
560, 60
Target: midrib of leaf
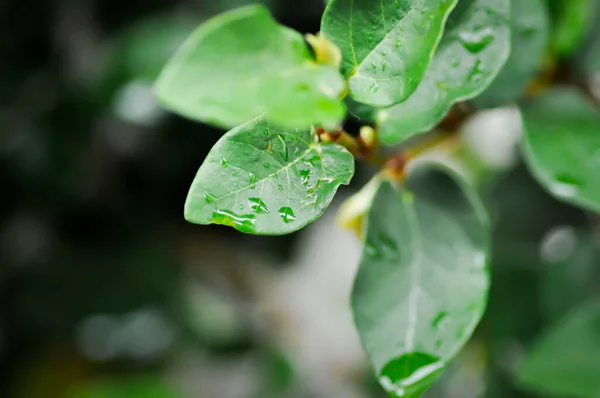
285, 168
351, 34
415, 272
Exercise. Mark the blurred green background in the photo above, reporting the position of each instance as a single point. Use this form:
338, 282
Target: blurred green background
106, 292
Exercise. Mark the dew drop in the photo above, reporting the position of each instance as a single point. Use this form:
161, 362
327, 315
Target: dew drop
280, 187
477, 40
441, 320
410, 374
374, 87
305, 176
224, 162
242, 222
383, 66
251, 178
287, 215
233, 173
258, 206
565, 186
209, 198
397, 4
398, 43
267, 165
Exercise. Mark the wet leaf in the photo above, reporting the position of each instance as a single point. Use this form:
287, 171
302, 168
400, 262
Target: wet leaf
386, 45
530, 23
565, 361
474, 48
262, 179
422, 283
242, 64
562, 146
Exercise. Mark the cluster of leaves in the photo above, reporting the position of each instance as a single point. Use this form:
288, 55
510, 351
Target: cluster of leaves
402, 65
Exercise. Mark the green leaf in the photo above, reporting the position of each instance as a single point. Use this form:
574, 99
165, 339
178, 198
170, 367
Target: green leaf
572, 20
530, 23
264, 180
386, 45
562, 146
565, 360
571, 272
422, 283
473, 50
138, 387
242, 64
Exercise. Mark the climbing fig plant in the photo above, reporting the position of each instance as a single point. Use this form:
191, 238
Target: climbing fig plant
411, 71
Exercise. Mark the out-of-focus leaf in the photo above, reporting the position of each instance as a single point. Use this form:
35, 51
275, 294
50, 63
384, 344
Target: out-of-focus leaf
475, 47
571, 271
565, 361
386, 45
529, 38
562, 146
422, 283
134, 387
242, 64
261, 179
572, 20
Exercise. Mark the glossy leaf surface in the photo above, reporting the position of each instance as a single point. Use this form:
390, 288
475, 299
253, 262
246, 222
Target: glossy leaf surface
242, 64
474, 48
386, 45
422, 283
565, 360
530, 23
562, 146
262, 179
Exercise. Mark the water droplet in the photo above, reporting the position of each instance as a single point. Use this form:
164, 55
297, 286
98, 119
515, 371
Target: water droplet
305, 176
397, 3
527, 30
284, 148
370, 38
258, 206
372, 250
384, 53
374, 66
287, 215
211, 160
565, 186
233, 173
383, 66
267, 165
251, 178
455, 62
280, 187
477, 73
398, 43
266, 131
236, 185
224, 162
410, 374
374, 87
242, 222
477, 40
441, 320
209, 198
